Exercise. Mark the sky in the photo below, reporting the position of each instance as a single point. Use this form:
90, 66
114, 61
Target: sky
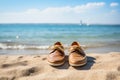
60, 11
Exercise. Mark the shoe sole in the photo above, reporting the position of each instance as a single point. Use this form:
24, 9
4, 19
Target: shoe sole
79, 64
53, 64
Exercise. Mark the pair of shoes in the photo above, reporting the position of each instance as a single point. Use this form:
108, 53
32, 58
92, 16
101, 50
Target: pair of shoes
77, 57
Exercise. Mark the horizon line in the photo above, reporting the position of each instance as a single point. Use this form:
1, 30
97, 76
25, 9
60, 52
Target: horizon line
64, 23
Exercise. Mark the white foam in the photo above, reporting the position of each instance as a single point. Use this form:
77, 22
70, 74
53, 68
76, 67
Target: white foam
17, 37
43, 47
9, 40
20, 46
5, 46
2, 46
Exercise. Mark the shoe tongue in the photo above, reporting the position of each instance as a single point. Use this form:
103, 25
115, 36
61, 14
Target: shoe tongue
77, 49
58, 48
73, 48
58, 43
75, 43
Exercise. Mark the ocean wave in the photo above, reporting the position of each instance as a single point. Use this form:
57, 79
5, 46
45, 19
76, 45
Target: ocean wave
21, 46
31, 47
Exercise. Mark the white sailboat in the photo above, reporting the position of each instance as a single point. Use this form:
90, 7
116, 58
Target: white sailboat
81, 23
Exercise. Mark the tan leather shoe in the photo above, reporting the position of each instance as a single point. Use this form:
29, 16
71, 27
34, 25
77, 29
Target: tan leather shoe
57, 56
77, 56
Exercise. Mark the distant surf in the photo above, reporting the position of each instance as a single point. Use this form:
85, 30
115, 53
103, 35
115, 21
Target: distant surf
13, 46
21, 46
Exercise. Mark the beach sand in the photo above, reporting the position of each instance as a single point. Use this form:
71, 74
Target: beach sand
35, 67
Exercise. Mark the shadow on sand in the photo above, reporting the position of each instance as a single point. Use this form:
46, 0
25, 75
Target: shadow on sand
65, 65
90, 62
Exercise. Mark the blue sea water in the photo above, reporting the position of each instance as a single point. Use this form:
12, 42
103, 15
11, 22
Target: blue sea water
26, 37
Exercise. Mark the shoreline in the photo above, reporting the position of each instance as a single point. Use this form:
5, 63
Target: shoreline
28, 67
97, 50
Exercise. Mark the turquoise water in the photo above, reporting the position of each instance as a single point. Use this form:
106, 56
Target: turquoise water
41, 36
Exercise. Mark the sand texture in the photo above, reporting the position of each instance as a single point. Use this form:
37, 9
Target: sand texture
35, 67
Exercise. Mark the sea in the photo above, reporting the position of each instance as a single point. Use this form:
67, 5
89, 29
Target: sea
38, 38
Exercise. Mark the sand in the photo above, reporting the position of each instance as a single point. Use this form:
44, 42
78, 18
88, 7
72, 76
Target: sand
35, 67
